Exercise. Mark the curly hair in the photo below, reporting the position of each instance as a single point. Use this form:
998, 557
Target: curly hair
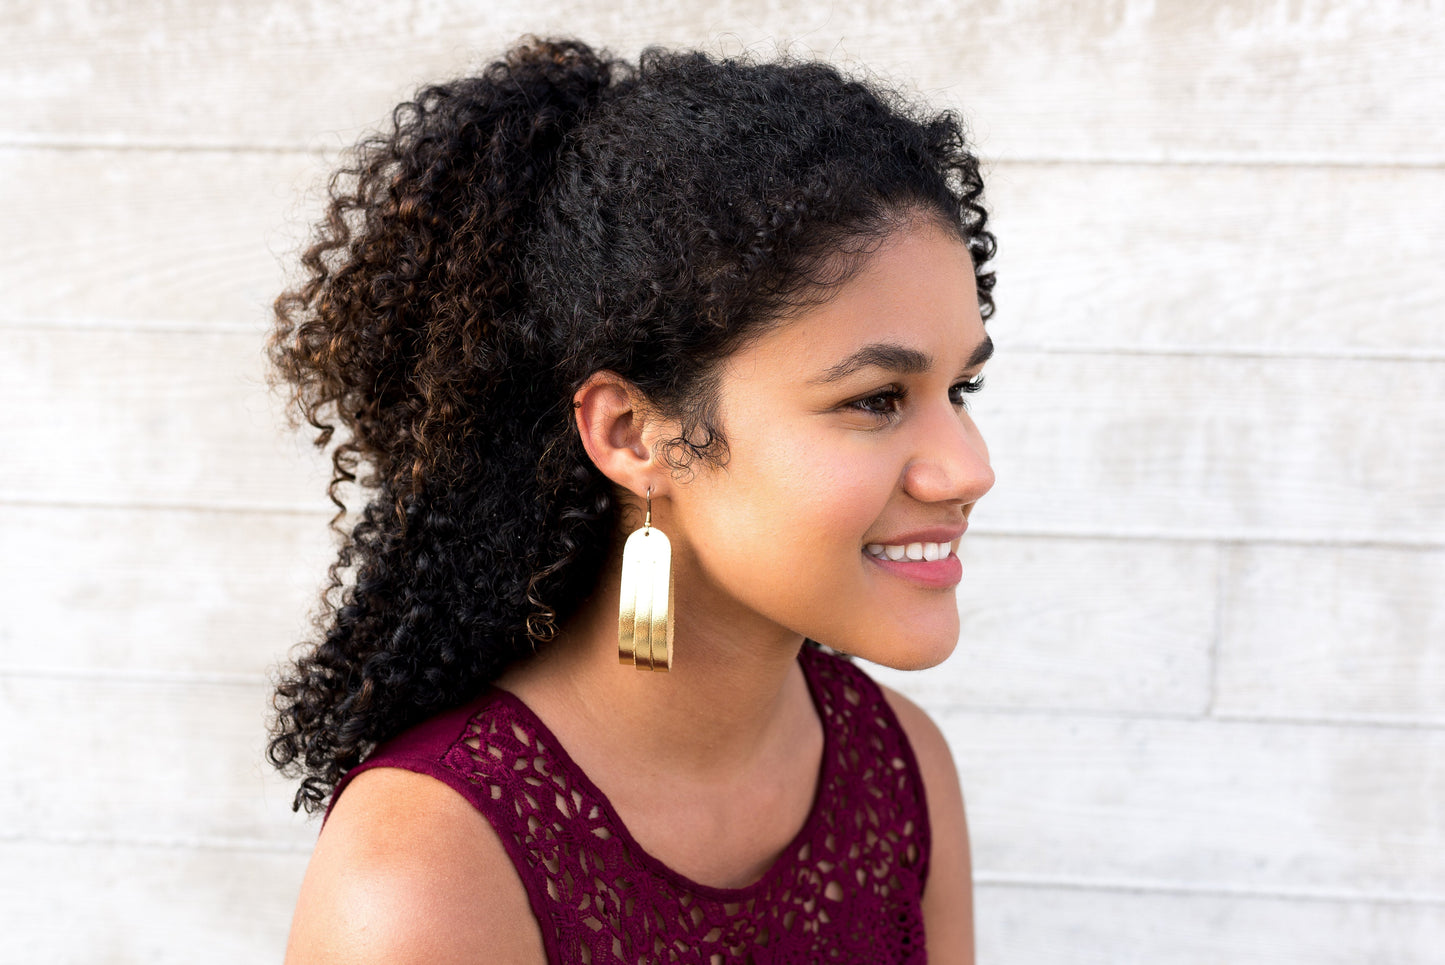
513, 232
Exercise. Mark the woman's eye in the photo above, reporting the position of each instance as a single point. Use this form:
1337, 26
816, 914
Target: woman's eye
964, 388
884, 403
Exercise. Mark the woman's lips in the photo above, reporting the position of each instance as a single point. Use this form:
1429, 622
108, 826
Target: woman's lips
934, 574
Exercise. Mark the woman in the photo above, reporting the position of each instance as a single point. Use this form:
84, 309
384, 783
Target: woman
652, 375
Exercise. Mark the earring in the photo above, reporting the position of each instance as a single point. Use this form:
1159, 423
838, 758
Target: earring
644, 620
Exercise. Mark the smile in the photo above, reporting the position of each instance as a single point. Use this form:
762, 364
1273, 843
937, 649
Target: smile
912, 552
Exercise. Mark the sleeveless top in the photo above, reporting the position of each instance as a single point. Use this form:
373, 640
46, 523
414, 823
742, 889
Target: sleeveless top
848, 888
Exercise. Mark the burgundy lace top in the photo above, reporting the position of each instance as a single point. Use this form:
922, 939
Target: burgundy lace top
848, 888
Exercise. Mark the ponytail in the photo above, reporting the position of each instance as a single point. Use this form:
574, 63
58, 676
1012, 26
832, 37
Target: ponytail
410, 332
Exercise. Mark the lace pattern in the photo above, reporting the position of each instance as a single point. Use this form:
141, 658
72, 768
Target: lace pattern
847, 889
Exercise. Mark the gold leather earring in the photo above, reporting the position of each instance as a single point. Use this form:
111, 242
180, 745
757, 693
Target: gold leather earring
644, 619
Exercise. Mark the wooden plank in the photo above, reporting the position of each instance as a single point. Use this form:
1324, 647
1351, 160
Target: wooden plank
1170, 258
1038, 924
1084, 445
87, 903
161, 761
153, 238
1204, 805
1077, 625
1178, 447
1344, 82
1220, 259
1201, 805
153, 418
1330, 632
164, 592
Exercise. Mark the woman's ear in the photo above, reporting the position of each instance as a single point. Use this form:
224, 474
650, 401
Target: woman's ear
612, 421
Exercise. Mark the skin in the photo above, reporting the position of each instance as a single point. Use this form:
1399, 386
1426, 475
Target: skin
767, 550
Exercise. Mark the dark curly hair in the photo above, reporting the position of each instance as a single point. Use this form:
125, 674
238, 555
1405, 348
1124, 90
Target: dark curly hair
560, 213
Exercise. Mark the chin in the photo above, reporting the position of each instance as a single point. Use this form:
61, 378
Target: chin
911, 652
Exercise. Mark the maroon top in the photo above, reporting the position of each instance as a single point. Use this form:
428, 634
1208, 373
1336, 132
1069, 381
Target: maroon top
848, 888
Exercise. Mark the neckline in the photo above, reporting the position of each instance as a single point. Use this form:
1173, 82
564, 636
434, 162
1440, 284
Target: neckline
826, 773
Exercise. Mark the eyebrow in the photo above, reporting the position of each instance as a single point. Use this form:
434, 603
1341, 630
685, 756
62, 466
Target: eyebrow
896, 358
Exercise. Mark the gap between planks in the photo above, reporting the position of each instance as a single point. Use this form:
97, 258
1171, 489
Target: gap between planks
13, 142
1167, 350
83, 839
147, 677
1142, 886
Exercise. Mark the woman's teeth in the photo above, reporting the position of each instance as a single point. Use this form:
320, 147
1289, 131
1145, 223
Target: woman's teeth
911, 551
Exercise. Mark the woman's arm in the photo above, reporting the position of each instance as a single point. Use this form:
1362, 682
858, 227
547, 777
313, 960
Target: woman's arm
406, 871
948, 896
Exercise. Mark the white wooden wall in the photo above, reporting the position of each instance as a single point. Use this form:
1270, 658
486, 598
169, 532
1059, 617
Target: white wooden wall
1199, 705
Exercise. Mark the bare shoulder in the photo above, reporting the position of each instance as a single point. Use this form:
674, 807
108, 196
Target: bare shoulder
948, 895
407, 871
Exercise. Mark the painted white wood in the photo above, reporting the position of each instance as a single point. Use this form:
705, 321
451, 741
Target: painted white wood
152, 418
1077, 625
198, 239
175, 763
1164, 258
1212, 258
1083, 444
161, 592
1204, 805
1163, 804
1356, 80
1327, 632
1210, 447
1037, 925
82, 904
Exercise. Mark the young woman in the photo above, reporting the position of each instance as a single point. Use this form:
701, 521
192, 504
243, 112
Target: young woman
655, 379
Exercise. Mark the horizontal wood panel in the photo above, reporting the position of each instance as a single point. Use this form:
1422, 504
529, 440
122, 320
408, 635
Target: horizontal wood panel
1226, 259
1036, 925
1322, 631
152, 238
164, 591
1196, 259
1344, 81
142, 760
1077, 624
1317, 450
155, 418
88, 903
1204, 805
1083, 445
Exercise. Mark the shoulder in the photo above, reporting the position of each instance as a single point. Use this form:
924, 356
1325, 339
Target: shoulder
406, 870
948, 895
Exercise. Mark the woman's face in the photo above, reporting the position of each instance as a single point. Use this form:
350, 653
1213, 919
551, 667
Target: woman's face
849, 446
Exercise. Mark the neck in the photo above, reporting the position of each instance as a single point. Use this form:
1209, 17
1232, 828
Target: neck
732, 687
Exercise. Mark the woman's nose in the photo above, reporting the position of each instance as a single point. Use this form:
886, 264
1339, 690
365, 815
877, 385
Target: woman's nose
951, 461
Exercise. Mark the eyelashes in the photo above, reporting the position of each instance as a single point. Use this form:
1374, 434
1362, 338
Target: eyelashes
886, 403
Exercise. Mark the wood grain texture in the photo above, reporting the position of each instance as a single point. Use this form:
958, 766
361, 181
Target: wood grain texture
173, 763
1166, 80
78, 904
1303, 261
1237, 259
1289, 809
1181, 447
1035, 923
151, 238
151, 418
1329, 632
163, 592
1174, 447
1077, 625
